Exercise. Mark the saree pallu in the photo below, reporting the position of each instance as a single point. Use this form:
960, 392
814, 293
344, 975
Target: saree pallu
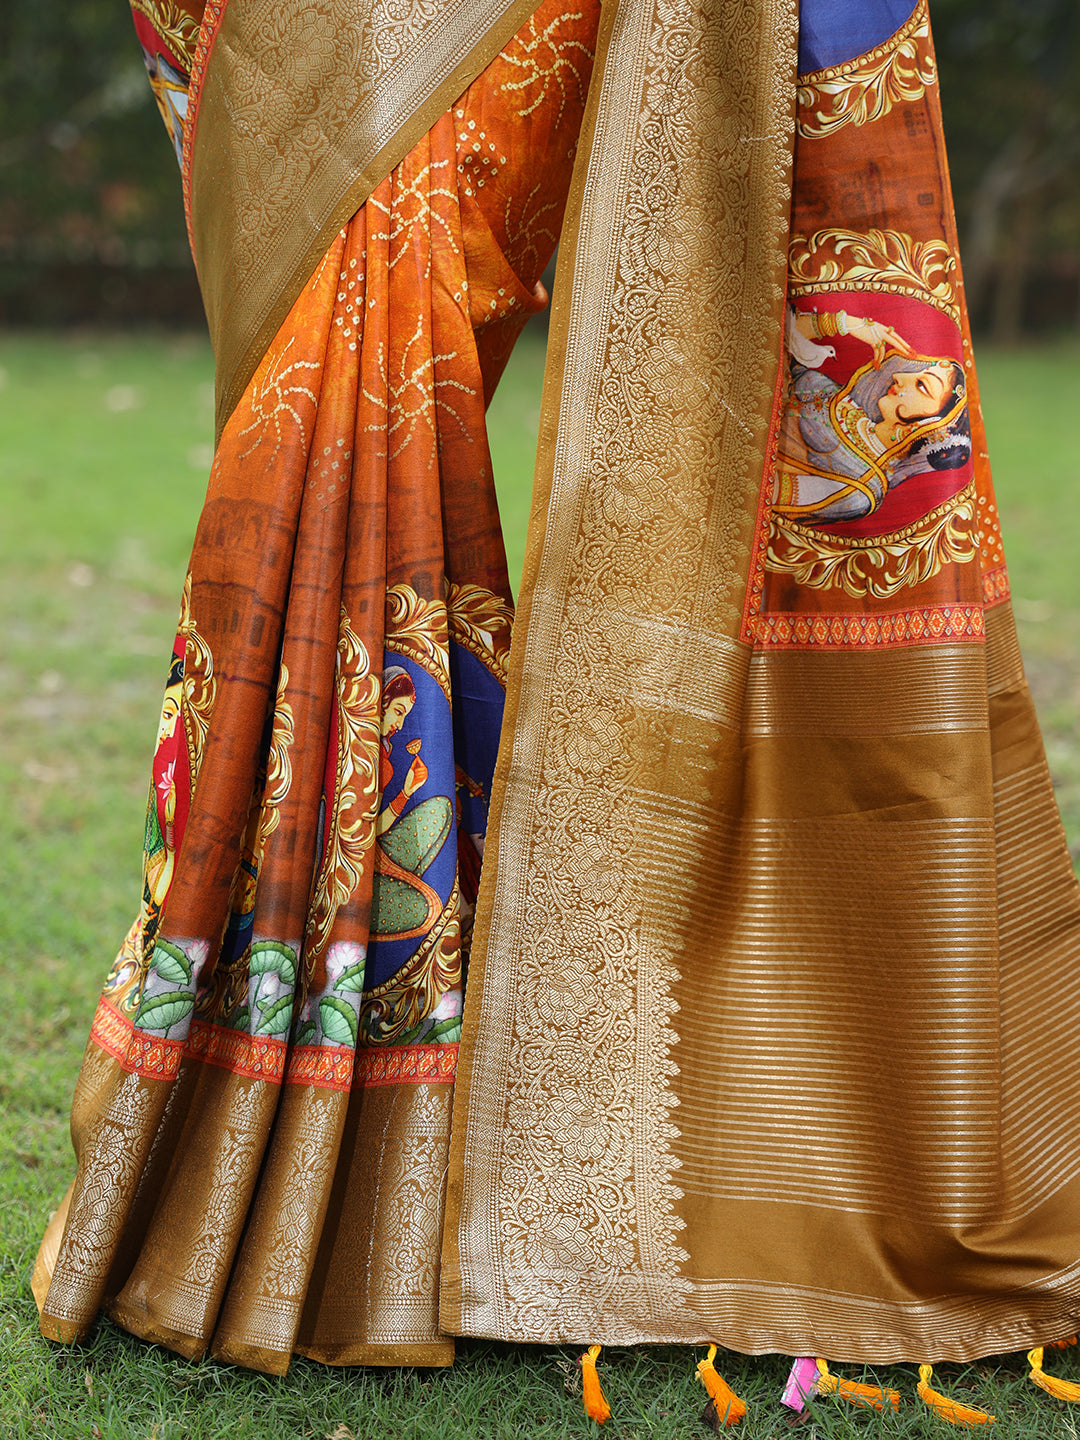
771, 1035
769, 1031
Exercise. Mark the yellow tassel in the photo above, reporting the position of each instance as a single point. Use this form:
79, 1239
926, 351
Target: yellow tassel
729, 1408
1060, 1389
853, 1392
946, 1408
596, 1407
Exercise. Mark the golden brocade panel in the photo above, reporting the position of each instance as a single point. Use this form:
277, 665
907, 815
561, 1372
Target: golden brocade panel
653, 435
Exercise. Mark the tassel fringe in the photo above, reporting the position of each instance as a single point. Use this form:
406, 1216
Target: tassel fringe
596, 1407
1059, 1389
729, 1408
948, 1409
854, 1393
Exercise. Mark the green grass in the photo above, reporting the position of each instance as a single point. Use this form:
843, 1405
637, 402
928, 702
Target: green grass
103, 458
1029, 398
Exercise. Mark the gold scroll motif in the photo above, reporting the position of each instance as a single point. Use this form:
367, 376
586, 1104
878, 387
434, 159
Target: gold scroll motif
881, 260
866, 88
397, 1006
416, 628
199, 686
175, 24
351, 830
481, 622
875, 566
264, 815
278, 764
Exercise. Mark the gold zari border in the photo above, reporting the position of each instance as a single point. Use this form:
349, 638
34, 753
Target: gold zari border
660, 378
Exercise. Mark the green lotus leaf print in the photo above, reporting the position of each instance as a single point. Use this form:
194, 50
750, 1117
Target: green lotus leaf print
170, 962
275, 1020
350, 981
305, 1034
267, 955
338, 1021
445, 1031
161, 1012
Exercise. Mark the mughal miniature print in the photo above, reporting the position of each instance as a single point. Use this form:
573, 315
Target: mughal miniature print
400, 833
877, 524
168, 31
869, 513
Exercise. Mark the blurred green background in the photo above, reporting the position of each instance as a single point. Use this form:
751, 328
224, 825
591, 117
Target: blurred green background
91, 228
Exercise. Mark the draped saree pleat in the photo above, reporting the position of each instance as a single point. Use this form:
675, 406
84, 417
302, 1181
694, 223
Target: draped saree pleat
263, 1113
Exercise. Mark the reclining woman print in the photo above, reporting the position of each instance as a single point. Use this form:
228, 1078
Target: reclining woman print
844, 446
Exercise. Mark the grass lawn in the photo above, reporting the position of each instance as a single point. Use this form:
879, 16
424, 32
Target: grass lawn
104, 448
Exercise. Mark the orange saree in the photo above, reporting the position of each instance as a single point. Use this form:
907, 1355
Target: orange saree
263, 1114
756, 1046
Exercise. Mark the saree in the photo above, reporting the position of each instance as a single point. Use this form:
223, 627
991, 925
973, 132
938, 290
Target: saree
262, 1117
756, 1044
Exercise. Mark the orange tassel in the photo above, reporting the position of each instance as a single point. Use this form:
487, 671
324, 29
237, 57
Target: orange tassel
1060, 1389
729, 1408
853, 1392
596, 1407
1061, 1344
946, 1408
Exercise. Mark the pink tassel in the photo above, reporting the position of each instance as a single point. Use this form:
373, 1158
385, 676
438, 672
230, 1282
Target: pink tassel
801, 1383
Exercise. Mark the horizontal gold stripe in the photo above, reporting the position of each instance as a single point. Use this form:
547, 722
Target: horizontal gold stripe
1005, 669
1039, 926
843, 959
848, 693
659, 664
759, 1317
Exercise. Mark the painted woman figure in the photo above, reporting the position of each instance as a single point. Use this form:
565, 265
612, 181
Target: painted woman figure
408, 840
844, 447
159, 844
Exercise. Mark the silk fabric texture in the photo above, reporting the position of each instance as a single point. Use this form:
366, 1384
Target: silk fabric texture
248, 1183
757, 1047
